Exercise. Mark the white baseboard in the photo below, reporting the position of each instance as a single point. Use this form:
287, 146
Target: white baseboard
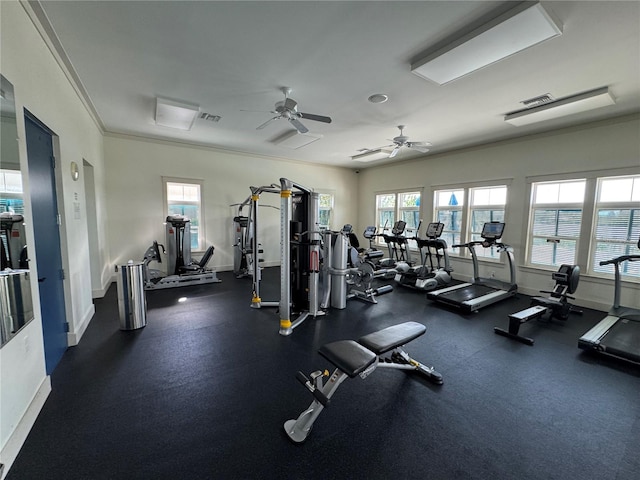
73, 338
16, 440
101, 292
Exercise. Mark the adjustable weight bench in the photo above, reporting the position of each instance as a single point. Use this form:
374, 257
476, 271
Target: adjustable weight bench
357, 358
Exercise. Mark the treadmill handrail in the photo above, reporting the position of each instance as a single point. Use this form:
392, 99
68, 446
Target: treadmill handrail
502, 247
623, 258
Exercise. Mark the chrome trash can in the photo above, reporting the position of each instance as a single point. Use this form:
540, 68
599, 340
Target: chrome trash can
132, 302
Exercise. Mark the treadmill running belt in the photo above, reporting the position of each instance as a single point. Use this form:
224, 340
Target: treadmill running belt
623, 340
467, 293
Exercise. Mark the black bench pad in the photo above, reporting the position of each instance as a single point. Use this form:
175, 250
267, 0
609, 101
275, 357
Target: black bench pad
348, 356
391, 337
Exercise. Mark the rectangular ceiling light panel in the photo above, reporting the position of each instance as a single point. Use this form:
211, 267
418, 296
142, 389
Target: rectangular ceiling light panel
372, 155
519, 28
172, 114
582, 102
295, 140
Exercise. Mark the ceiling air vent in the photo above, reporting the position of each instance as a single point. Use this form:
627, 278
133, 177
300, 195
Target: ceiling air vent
210, 118
537, 101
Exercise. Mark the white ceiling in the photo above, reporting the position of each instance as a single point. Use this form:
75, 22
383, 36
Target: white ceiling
233, 56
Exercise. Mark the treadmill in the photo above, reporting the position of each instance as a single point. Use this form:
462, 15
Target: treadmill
481, 292
617, 334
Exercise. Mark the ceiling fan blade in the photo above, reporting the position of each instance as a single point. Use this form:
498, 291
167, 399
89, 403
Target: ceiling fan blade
419, 144
419, 148
267, 123
394, 152
316, 118
299, 126
290, 104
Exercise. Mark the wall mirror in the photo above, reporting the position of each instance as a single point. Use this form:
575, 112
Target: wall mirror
16, 306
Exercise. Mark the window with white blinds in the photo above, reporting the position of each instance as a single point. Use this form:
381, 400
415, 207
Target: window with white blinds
486, 205
616, 224
555, 222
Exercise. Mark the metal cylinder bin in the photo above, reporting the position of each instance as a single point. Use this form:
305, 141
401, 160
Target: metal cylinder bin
132, 302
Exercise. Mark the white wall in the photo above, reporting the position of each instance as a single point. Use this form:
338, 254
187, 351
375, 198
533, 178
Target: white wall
42, 87
135, 201
602, 146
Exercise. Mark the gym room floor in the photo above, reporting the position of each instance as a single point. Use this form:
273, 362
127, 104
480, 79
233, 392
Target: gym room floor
203, 390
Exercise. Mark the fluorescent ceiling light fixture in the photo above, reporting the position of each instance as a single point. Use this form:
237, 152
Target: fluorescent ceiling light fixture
172, 114
295, 140
600, 97
515, 30
372, 155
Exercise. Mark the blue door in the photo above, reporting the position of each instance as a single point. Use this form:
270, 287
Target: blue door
47, 238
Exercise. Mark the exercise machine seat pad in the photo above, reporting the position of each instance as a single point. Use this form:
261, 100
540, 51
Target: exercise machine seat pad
348, 356
391, 337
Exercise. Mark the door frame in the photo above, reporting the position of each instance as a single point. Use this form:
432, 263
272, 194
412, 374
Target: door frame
64, 250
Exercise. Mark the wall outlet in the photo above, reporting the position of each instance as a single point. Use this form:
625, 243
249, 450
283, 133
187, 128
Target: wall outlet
27, 344
492, 274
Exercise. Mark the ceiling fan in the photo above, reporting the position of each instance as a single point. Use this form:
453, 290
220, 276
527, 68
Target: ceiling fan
403, 141
288, 109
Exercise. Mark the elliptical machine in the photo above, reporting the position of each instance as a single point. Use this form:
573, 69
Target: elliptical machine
397, 244
181, 269
430, 274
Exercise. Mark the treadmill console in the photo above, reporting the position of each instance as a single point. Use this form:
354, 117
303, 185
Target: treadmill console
434, 230
492, 231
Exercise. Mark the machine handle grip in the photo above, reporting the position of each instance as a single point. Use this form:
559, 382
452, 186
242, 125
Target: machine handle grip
623, 258
317, 394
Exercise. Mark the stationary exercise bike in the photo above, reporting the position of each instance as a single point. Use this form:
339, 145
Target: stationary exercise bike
556, 304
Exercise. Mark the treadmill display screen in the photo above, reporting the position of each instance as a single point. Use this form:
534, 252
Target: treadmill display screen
492, 230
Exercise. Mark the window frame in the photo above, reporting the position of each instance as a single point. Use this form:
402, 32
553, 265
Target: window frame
201, 218
558, 207
397, 211
585, 247
332, 197
490, 253
467, 209
629, 245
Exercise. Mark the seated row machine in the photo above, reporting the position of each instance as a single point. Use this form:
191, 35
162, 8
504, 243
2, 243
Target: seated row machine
357, 358
556, 304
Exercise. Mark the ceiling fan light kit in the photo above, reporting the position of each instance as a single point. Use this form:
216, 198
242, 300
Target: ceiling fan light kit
172, 114
517, 29
582, 102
